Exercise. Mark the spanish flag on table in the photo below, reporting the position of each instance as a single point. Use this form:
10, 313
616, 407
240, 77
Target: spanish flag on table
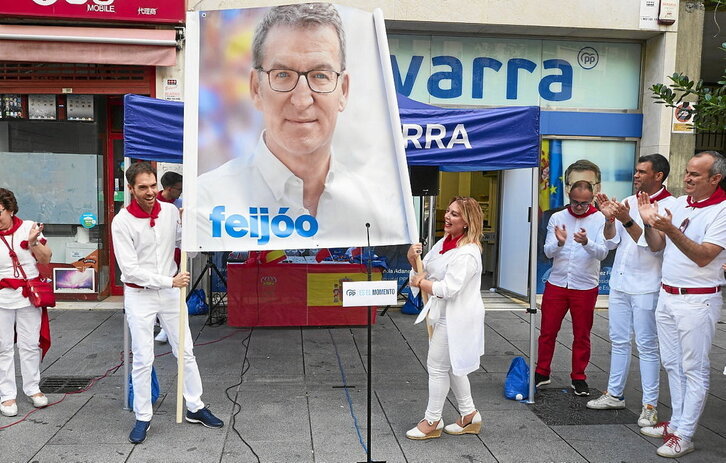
325, 285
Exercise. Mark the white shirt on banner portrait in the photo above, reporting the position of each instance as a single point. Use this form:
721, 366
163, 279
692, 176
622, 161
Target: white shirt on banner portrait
347, 203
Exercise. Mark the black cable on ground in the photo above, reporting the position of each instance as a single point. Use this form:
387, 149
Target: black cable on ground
236, 407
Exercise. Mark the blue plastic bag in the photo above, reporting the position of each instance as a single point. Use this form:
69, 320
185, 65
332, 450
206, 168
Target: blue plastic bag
155, 389
517, 381
413, 305
196, 304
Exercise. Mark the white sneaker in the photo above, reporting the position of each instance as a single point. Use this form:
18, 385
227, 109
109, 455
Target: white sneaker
39, 401
9, 410
162, 337
648, 416
416, 434
606, 402
676, 446
662, 430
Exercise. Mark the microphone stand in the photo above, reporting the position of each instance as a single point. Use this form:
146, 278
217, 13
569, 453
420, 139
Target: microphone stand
370, 374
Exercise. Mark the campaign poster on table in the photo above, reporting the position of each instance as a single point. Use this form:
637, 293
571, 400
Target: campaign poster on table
292, 136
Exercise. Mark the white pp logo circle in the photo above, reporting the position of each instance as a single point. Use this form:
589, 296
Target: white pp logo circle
587, 58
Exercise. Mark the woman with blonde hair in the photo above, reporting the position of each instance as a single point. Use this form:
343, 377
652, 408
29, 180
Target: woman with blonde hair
452, 278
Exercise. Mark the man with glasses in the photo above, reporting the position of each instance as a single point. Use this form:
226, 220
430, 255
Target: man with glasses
692, 235
575, 242
634, 285
300, 84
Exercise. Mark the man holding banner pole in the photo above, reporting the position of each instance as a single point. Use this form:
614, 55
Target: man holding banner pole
145, 235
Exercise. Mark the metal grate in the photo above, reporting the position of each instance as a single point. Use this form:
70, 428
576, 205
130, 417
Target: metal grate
56, 78
560, 407
62, 384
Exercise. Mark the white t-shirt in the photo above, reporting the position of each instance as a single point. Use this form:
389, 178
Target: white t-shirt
13, 298
636, 269
702, 225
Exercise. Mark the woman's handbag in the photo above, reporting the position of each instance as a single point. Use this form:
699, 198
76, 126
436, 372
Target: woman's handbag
40, 291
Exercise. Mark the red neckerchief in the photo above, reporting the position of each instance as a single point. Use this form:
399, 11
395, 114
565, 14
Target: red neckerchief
16, 224
590, 211
135, 210
161, 197
662, 194
450, 243
718, 196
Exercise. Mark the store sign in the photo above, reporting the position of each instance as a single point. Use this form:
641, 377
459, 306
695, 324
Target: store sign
516, 72
147, 11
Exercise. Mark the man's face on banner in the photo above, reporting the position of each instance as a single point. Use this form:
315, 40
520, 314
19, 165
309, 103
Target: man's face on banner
587, 175
299, 122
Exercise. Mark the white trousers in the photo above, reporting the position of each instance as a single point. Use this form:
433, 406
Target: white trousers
686, 326
143, 306
27, 323
441, 378
630, 313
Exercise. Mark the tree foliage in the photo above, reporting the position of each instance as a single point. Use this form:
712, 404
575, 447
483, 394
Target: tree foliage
709, 104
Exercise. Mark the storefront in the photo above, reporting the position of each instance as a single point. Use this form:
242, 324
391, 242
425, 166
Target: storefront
589, 93
63, 72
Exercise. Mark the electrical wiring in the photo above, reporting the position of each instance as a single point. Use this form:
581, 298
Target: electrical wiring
236, 407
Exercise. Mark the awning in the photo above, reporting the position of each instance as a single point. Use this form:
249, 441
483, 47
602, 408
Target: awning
59, 44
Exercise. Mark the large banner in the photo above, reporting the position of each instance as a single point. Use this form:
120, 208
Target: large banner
292, 138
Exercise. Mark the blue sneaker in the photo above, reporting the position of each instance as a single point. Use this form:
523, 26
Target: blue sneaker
138, 434
204, 417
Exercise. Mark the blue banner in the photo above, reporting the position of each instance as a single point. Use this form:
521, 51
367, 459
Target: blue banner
470, 139
456, 140
153, 129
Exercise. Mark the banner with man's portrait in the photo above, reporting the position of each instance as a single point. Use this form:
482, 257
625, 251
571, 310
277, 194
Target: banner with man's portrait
292, 137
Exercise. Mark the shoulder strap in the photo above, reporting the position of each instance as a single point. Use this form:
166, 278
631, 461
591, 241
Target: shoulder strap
14, 258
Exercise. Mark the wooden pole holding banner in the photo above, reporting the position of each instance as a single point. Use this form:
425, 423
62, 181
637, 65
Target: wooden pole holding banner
424, 295
182, 338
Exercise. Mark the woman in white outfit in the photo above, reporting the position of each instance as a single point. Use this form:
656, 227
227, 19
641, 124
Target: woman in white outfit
17, 314
452, 278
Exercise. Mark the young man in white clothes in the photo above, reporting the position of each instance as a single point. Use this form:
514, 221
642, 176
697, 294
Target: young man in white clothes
634, 286
692, 234
145, 234
575, 242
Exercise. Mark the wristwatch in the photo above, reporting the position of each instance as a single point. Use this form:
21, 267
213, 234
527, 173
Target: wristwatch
628, 224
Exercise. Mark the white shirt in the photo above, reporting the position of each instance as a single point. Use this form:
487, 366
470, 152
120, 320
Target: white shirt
13, 298
348, 202
456, 277
705, 225
576, 266
145, 254
636, 269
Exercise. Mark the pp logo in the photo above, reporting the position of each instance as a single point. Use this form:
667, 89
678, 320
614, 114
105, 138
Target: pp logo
587, 58
350, 292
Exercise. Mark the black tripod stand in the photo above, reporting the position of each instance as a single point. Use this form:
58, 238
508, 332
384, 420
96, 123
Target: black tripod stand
214, 317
